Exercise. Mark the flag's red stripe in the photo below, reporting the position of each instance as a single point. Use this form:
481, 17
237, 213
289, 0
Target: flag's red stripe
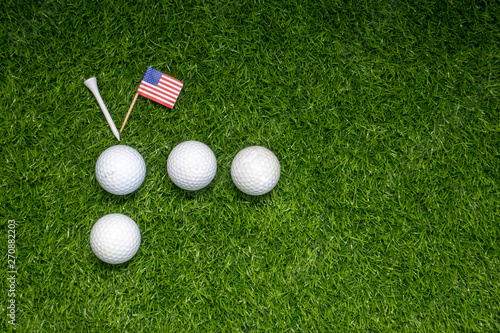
156, 100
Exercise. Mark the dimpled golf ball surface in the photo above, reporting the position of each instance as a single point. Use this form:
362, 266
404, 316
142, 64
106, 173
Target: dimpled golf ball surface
120, 170
191, 165
255, 170
115, 238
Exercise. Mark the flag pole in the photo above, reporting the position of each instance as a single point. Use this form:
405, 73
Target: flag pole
128, 113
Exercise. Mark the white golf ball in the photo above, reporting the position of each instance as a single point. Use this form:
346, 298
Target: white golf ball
115, 238
255, 170
191, 165
120, 170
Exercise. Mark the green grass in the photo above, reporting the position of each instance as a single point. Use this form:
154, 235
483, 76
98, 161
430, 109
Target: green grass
383, 114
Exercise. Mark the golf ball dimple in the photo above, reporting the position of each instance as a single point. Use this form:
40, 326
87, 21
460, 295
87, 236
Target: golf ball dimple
191, 165
120, 170
115, 238
255, 170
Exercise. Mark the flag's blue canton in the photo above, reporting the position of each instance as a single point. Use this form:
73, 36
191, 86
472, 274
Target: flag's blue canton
152, 76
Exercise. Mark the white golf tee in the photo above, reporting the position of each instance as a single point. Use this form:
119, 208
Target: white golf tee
92, 85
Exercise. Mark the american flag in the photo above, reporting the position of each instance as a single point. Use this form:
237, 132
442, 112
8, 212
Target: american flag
160, 87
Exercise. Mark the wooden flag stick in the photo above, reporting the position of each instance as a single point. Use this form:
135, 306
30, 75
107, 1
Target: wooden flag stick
128, 113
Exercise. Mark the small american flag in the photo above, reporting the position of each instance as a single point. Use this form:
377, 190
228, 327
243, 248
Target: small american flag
160, 87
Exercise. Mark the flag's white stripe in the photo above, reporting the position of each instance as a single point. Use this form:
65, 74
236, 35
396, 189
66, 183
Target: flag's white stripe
156, 97
159, 91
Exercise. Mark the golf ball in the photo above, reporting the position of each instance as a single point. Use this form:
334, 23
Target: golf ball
115, 238
191, 165
255, 170
120, 170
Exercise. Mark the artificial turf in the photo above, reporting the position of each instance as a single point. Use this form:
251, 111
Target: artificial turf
384, 116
